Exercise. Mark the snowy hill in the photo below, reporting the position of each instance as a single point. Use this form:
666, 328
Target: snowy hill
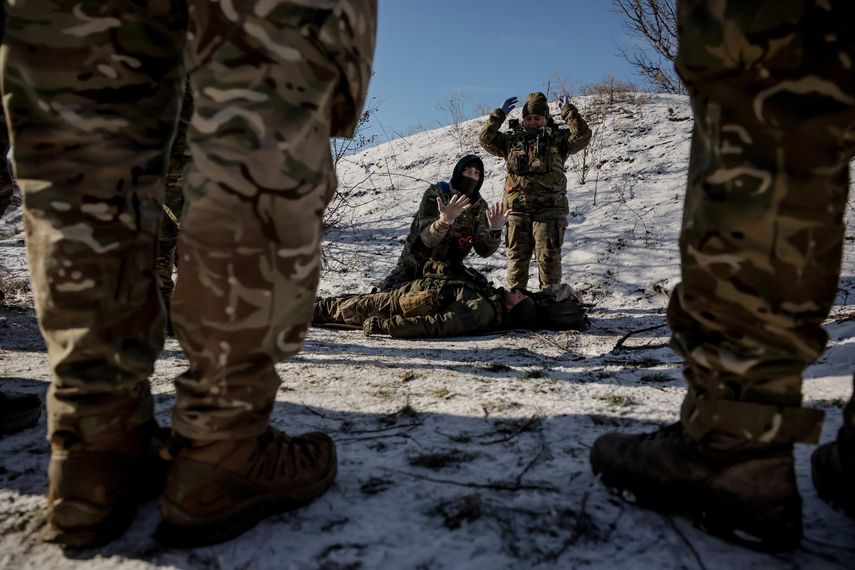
467, 453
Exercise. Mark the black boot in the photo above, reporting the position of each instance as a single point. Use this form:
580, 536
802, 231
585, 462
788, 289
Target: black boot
833, 471
748, 497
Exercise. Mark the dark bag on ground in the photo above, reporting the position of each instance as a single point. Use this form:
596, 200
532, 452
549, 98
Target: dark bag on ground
561, 311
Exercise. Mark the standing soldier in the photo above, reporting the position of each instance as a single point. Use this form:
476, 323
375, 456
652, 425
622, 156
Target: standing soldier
93, 90
7, 181
179, 159
773, 95
452, 219
536, 186
17, 410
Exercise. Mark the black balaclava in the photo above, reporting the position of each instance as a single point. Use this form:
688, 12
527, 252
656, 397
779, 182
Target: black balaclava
464, 184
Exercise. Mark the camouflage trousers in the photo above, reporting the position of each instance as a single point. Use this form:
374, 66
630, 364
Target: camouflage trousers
92, 93
7, 184
773, 95
541, 235
179, 159
353, 309
7, 181
409, 300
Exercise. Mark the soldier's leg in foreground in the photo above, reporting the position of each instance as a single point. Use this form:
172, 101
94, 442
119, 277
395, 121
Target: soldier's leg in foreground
267, 102
179, 158
548, 239
519, 250
6, 184
760, 247
92, 93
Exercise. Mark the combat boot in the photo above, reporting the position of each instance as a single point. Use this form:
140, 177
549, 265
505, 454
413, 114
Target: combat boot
18, 411
747, 497
833, 471
220, 489
94, 488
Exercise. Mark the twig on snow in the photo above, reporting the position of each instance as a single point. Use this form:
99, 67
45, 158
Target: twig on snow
625, 337
686, 541
490, 486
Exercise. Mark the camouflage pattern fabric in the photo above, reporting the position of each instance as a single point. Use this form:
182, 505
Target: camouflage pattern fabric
429, 238
92, 93
536, 190
179, 159
424, 308
548, 237
773, 95
7, 182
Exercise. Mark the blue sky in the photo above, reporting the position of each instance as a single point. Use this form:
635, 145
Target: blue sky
428, 51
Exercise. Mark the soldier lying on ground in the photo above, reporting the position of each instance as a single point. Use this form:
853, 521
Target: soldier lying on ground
452, 219
439, 305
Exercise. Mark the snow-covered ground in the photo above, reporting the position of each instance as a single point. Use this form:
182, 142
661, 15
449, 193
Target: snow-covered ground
467, 452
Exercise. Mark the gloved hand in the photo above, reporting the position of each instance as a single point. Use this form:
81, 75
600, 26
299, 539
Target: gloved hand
509, 105
565, 100
375, 325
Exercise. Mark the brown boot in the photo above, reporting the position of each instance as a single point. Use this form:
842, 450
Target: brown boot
217, 490
94, 488
749, 497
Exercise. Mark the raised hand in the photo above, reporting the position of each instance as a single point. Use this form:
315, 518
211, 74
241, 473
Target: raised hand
456, 206
565, 100
509, 105
497, 216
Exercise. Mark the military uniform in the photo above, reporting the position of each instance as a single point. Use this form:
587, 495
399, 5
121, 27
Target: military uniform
430, 238
433, 306
536, 189
773, 95
179, 159
93, 90
7, 181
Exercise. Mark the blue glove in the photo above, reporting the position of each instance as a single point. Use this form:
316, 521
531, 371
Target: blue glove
509, 105
564, 100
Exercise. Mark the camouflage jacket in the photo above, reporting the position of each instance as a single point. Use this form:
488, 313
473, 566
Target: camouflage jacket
536, 182
439, 306
429, 238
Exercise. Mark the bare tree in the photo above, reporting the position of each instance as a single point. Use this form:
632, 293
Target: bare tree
655, 23
610, 90
341, 202
561, 85
454, 105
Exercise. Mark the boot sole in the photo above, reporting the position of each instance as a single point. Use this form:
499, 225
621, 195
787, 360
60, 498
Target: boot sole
192, 532
108, 530
715, 513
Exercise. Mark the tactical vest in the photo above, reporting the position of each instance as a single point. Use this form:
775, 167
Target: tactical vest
533, 152
536, 182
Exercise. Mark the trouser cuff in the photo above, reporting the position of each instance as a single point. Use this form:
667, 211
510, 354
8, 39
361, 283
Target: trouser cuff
750, 421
